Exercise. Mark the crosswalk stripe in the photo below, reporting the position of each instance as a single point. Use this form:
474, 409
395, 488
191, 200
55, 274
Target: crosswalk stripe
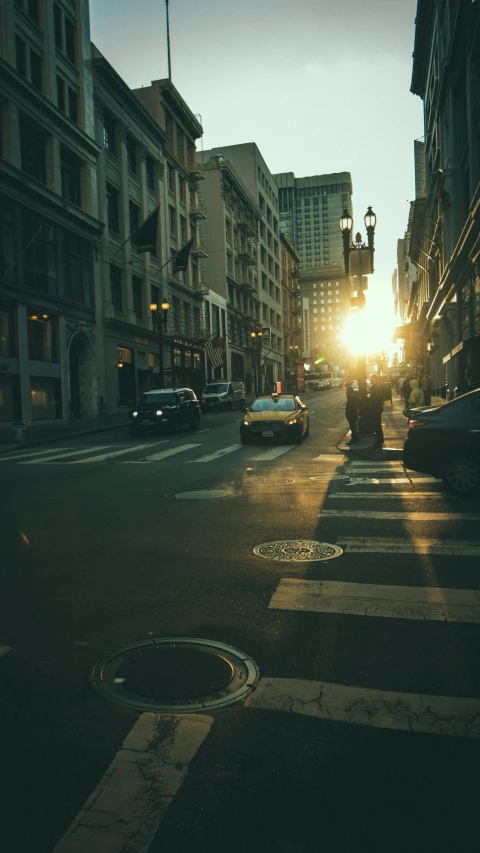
388, 463
364, 599
32, 453
363, 706
385, 495
211, 456
358, 472
409, 516
4, 650
272, 453
330, 458
162, 454
374, 545
64, 455
383, 481
110, 455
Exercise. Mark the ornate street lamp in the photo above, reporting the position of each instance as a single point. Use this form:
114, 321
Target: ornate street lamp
161, 317
257, 342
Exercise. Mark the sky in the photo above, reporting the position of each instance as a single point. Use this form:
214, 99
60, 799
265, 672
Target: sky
320, 85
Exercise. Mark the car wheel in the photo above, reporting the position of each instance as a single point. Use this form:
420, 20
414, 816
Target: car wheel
298, 436
196, 421
243, 439
462, 475
307, 431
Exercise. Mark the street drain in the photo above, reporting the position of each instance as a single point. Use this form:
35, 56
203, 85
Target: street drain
297, 550
175, 675
203, 495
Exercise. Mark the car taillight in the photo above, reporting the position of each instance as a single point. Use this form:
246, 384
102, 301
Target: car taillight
415, 424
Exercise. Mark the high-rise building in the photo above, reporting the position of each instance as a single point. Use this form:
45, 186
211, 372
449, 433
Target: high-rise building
310, 209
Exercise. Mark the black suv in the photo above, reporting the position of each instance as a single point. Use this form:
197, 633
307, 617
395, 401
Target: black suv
165, 408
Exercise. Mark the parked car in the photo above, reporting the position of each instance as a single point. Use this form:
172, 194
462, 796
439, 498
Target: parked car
223, 394
277, 417
445, 442
319, 385
165, 408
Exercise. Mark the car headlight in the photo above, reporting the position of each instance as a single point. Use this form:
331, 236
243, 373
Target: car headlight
159, 413
246, 423
293, 421
134, 414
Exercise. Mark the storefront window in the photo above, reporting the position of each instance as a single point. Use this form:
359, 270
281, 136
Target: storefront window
42, 336
124, 355
197, 361
177, 358
7, 331
46, 398
188, 358
152, 359
9, 398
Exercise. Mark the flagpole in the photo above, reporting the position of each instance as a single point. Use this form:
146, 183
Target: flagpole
168, 42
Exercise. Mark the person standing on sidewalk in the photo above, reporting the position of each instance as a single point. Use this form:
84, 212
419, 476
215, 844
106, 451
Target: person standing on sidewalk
427, 388
376, 409
351, 413
416, 395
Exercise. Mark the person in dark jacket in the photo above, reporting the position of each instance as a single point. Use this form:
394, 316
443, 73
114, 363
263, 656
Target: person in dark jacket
351, 413
376, 409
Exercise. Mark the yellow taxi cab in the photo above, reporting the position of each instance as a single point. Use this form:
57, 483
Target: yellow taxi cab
276, 417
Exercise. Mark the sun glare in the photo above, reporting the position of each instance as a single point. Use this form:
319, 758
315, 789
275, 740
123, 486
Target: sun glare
367, 331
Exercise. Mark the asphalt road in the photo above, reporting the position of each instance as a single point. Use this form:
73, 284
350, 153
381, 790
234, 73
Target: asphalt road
346, 742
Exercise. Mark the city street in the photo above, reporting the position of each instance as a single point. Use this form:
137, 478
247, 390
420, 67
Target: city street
360, 732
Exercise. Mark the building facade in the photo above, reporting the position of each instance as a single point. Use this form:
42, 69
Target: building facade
231, 232
444, 301
292, 311
50, 229
250, 166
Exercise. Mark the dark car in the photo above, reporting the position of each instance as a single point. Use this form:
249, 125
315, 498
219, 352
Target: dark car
276, 416
166, 408
445, 442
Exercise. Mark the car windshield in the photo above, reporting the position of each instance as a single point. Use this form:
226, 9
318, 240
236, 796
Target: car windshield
160, 397
270, 404
217, 388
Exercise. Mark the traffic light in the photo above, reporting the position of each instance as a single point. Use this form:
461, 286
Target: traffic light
358, 301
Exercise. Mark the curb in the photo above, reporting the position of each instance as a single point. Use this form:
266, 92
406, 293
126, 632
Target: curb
62, 437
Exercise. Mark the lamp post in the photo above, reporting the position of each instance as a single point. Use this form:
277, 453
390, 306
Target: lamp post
160, 314
358, 259
294, 353
257, 344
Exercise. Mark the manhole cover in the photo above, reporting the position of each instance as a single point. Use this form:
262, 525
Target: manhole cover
204, 495
180, 675
261, 481
298, 550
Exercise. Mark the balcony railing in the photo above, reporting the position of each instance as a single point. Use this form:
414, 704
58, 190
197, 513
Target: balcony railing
198, 211
199, 250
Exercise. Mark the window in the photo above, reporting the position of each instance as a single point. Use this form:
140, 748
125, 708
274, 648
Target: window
69, 39
112, 209
183, 189
32, 11
171, 180
58, 26
149, 171
131, 155
183, 229
116, 286
172, 218
42, 330
60, 94
70, 168
21, 56
32, 148
36, 70
109, 134
133, 213
137, 287
73, 105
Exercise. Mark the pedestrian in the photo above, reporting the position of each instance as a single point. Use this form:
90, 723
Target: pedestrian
351, 413
416, 398
400, 381
376, 409
406, 387
427, 388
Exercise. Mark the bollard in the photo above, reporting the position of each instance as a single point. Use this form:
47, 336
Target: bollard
19, 430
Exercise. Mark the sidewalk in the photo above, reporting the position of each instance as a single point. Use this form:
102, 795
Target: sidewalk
40, 433
395, 430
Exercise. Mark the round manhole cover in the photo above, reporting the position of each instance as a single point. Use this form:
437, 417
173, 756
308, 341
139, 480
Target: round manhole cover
180, 675
204, 495
297, 550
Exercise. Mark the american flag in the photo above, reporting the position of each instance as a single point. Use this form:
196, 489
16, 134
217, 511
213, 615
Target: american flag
214, 350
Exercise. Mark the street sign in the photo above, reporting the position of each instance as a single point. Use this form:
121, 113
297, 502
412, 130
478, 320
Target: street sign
360, 262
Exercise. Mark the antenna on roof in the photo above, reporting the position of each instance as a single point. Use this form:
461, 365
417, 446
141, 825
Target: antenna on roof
168, 43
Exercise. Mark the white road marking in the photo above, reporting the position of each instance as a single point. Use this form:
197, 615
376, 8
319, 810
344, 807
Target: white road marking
386, 495
410, 516
331, 458
129, 803
362, 706
30, 454
162, 454
373, 545
64, 455
376, 469
392, 463
273, 453
218, 453
365, 599
203, 430
356, 481
111, 455
4, 650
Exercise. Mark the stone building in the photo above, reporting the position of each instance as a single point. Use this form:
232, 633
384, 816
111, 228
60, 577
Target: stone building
292, 319
444, 302
50, 229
